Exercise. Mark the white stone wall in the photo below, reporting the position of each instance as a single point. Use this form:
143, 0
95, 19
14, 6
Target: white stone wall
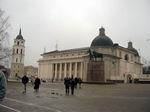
77, 60
115, 65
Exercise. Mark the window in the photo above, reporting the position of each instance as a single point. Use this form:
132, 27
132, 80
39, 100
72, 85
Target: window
17, 51
17, 43
16, 59
21, 51
126, 57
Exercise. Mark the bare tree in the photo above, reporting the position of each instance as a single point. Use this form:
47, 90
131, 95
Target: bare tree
4, 39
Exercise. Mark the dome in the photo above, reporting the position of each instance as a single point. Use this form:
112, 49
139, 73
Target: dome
19, 36
101, 39
130, 47
134, 50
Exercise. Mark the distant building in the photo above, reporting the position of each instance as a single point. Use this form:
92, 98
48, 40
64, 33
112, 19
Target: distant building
31, 71
103, 61
18, 53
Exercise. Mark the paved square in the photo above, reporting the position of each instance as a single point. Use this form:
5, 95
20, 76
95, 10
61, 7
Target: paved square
91, 98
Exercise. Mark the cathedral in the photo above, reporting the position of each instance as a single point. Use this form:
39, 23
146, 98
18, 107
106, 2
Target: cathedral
103, 61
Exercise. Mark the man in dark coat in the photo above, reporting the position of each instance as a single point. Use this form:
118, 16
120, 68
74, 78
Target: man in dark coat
67, 84
72, 84
25, 80
37, 84
75, 82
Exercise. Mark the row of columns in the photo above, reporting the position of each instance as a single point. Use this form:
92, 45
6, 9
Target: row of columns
61, 70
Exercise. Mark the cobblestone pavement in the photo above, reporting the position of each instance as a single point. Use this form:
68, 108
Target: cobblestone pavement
91, 98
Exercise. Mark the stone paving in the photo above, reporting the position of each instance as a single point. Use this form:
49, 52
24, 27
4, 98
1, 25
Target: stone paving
91, 98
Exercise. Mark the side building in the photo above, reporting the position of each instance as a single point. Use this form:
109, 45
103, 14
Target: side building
18, 53
103, 62
31, 71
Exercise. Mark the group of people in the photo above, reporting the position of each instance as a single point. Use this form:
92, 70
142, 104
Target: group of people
37, 83
72, 83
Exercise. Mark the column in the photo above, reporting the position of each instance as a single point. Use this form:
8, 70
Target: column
60, 71
55, 71
85, 72
81, 70
65, 70
50, 69
70, 69
75, 69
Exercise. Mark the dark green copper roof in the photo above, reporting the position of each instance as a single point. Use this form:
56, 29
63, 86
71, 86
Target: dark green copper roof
101, 39
19, 36
131, 48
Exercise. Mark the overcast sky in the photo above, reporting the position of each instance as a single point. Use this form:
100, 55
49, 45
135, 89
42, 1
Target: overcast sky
75, 23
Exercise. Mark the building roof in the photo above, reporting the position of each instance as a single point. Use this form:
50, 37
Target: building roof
19, 36
102, 39
68, 50
131, 48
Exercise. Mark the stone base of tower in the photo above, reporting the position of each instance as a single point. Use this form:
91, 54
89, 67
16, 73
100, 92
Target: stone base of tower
17, 71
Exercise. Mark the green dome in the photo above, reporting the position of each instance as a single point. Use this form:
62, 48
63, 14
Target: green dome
101, 39
131, 48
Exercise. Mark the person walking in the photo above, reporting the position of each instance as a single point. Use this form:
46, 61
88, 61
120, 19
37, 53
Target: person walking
79, 81
25, 80
72, 84
37, 84
75, 82
3, 83
67, 84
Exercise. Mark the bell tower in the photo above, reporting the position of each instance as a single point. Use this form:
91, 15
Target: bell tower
18, 53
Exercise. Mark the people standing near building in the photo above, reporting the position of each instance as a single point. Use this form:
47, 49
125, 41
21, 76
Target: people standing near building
75, 82
25, 80
79, 81
72, 84
37, 84
67, 84
3, 83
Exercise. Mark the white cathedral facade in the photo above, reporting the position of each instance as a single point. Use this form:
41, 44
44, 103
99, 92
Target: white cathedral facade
103, 61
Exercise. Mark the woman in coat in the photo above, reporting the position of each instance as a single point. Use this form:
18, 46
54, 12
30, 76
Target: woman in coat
37, 84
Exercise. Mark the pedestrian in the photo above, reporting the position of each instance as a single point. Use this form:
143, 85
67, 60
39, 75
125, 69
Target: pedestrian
3, 83
79, 81
37, 84
75, 82
67, 84
25, 80
72, 84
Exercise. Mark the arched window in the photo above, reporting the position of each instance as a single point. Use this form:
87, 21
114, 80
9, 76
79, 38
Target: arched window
17, 51
17, 43
126, 57
21, 51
